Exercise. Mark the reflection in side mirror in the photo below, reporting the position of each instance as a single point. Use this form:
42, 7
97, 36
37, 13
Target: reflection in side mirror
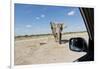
78, 44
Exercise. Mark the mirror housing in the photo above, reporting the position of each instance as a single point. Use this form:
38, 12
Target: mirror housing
78, 44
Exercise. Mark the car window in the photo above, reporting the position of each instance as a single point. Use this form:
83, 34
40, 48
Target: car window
42, 33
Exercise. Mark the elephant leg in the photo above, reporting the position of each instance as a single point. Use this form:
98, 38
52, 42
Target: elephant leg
59, 38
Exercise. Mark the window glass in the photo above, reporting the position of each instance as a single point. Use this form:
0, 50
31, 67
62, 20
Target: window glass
42, 33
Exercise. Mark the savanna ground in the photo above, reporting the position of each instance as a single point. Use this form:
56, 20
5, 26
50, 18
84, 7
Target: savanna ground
44, 49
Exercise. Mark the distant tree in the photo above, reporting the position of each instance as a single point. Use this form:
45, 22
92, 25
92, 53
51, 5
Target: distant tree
26, 35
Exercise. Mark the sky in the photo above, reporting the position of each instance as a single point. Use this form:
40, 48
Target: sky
30, 19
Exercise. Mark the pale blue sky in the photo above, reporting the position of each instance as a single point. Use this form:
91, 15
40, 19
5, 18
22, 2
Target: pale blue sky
35, 19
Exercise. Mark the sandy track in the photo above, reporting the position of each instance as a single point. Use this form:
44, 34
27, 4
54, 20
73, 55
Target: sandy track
45, 50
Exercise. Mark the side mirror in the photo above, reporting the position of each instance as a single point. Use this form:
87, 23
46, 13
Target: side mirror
78, 44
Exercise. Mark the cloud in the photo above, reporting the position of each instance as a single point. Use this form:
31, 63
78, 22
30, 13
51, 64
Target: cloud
71, 13
42, 15
28, 26
37, 18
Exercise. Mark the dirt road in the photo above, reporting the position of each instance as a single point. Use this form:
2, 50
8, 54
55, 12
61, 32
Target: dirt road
45, 50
